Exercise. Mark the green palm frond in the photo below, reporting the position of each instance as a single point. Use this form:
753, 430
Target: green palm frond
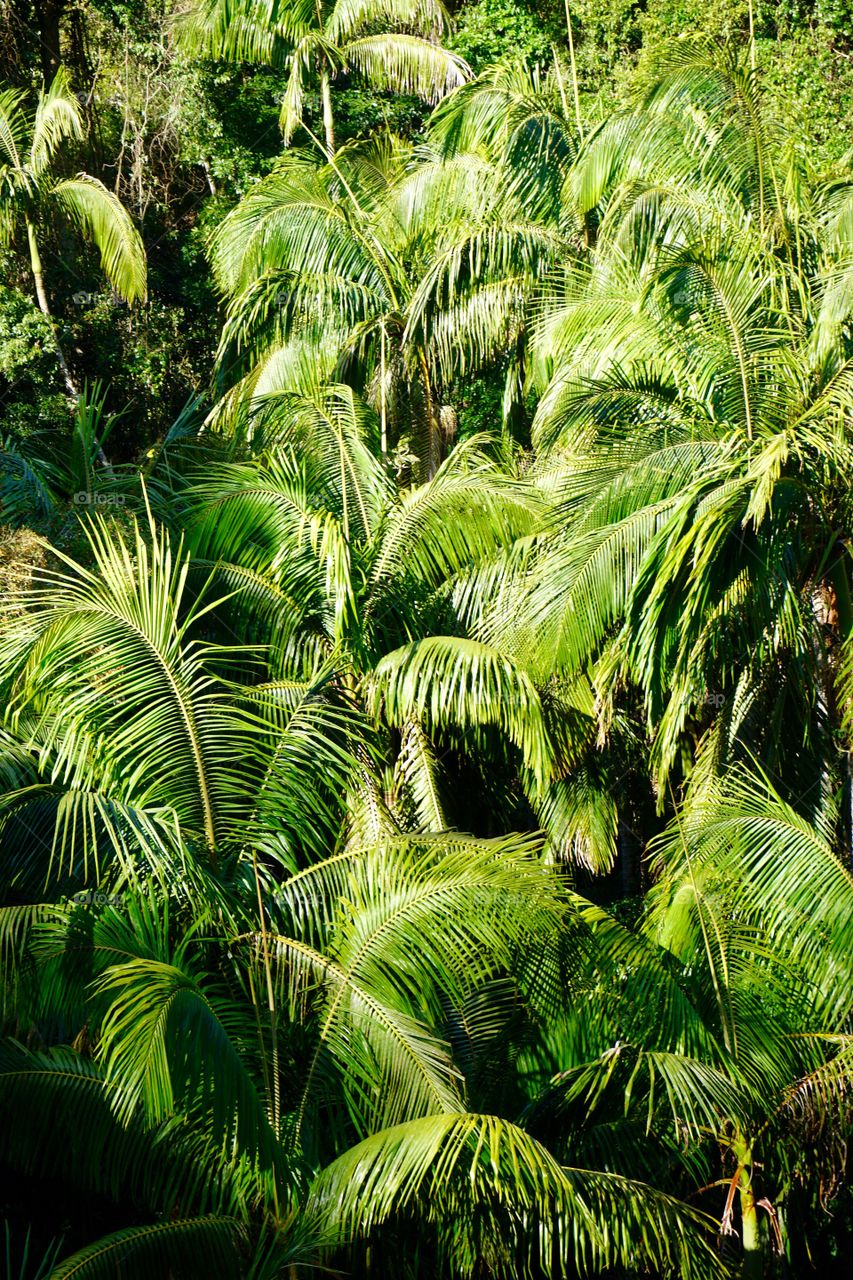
62, 1122
31, 1268
697, 1096
737, 836
407, 64
350, 16
243, 30
199, 1246
164, 1040
580, 816
333, 429
27, 484
511, 1200
404, 940
144, 680
102, 217
13, 127
448, 680
57, 117
467, 513
417, 774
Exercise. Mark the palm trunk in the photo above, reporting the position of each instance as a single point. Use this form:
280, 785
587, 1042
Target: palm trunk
35, 263
384, 437
574, 71
433, 446
275, 1073
752, 1265
49, 31
328, 119
44, 307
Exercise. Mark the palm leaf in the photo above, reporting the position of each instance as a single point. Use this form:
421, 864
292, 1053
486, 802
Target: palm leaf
474, 1169
101, 216
406, 64
197, 1246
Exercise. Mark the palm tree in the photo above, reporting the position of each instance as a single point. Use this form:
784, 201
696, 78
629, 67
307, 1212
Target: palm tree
327, 561
32, 193
127, 666
695, 390
40, 477
244, 1025
273, 1076
393, 44
333, 567
709, 1047
394, 271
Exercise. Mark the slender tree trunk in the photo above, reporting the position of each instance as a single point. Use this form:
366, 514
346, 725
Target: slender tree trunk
41, 294
384, 438
51, 56
433, 444
752, 1266
328, 119
275, 1080
843, 599
35, 263
211, 185
563, 99
574, 71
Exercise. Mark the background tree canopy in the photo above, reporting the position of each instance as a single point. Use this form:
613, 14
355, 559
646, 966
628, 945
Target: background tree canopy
426, 639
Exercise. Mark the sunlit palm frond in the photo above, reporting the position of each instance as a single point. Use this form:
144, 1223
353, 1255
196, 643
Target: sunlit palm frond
102, 217
57, 117
459, 1164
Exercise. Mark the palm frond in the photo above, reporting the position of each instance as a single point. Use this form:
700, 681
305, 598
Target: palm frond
102, 217
57, 117
512, 1204
197, 1245
449, 680
407, 64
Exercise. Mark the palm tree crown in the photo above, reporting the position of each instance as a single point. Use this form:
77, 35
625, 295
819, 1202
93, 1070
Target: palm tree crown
31, 193
393, 44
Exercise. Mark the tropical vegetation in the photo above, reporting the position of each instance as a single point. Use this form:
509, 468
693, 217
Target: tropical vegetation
426, 640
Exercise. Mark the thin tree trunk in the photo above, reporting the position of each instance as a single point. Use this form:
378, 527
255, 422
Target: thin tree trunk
35, 262
44, 307
563, 99
49, 26
574, 71
275, 1093
328, 119
384, 438
433, 457
752, 1266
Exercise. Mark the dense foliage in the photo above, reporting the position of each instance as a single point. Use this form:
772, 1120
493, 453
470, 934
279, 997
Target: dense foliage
426, 639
